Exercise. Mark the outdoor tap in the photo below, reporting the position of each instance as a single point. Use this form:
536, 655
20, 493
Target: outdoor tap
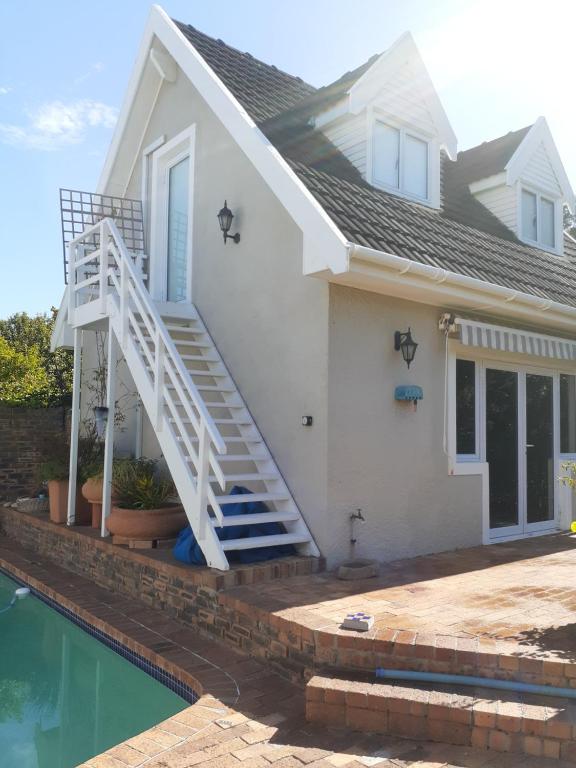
355, 517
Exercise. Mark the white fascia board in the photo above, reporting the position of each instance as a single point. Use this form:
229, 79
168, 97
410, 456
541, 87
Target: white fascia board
539, 133
324, 245
62, 333
394, 275
366, 88
129, 99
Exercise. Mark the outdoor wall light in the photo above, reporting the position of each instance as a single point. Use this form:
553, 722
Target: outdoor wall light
404, 342
225, 218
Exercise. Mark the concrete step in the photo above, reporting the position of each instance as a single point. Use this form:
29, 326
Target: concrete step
485, 718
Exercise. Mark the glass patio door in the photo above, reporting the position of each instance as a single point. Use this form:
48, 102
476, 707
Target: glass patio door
520, 439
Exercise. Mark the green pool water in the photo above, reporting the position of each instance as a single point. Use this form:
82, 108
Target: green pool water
64, 696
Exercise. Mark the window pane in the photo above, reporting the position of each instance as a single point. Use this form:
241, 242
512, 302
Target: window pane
178, 230
465, 407
529, 226
415, 168
386, 155
567, 413
547, 222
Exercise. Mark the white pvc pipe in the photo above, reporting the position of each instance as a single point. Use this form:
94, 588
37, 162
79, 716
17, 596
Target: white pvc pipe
501, 296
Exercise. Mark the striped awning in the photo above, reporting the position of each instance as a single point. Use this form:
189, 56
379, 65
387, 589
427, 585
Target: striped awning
498, 337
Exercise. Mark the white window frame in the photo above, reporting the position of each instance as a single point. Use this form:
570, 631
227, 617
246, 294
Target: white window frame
164, 158
557, 248
469, 465
403, 131
464, 457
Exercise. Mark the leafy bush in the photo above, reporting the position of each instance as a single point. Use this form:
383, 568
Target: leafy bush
23, 380
30, 374
139, 485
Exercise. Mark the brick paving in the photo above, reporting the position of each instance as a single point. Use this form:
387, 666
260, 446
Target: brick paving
520, 595
247, 715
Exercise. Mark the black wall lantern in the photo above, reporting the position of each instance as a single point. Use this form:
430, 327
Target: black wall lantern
225, 218
406, 344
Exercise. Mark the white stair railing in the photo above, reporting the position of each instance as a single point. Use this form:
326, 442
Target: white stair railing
112, 277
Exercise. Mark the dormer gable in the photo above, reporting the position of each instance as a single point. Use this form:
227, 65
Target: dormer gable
387, 119
521, 180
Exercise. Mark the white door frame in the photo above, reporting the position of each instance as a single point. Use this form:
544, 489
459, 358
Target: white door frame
163, 159
523, 528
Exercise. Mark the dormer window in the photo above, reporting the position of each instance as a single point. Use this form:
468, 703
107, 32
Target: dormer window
400, 161
538, 216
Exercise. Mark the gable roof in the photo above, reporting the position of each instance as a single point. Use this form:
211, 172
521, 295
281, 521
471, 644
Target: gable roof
488, 158
262, 89
463, 237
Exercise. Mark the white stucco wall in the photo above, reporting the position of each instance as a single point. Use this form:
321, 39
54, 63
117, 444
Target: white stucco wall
384, 457
269, 322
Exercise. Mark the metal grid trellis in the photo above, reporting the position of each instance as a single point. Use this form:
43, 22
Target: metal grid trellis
80, 210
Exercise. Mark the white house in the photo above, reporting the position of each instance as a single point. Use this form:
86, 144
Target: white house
271, 361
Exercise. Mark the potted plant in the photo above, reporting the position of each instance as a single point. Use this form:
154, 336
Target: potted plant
144, 509
93, 489
55, 472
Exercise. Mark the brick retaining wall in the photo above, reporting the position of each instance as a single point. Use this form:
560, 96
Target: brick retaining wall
25, 436
223, 605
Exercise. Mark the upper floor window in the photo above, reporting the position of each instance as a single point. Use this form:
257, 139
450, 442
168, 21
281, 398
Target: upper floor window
538, 219
400, 161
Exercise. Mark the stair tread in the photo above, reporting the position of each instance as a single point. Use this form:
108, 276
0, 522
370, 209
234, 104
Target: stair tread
259, 518
232, 499
247, 477
232, 439
265, 541
231, 422
227, 457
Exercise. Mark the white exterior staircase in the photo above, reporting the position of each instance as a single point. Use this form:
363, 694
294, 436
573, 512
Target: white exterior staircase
208, 438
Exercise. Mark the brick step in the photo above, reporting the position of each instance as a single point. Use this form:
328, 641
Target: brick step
540, 726
350, 653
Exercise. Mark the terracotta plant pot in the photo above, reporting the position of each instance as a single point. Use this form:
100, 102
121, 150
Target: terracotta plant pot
146, 524
92, 491
58, 498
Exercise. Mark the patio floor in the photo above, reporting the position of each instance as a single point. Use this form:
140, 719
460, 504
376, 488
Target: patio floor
261, 724
519, 595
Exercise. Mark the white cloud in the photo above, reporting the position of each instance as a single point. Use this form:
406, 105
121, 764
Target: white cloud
56, 124
4, 90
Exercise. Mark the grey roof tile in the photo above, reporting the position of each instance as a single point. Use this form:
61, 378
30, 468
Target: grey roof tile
463, 237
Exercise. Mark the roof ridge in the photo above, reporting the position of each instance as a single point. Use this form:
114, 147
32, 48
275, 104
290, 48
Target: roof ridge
247, 54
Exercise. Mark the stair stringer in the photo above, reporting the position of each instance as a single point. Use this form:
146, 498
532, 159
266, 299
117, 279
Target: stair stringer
180, 470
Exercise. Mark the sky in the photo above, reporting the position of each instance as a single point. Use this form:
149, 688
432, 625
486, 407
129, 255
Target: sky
65, 64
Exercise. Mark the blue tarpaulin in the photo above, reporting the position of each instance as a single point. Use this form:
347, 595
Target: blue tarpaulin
187, 549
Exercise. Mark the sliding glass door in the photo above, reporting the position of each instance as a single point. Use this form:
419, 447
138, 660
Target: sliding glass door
520, 437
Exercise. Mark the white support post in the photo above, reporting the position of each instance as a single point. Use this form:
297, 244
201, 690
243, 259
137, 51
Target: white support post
103, 268
109, 439
71, 282
139, 429
202, 480
74, 426
159, 379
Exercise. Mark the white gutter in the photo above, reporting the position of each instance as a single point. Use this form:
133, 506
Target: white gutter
496, 296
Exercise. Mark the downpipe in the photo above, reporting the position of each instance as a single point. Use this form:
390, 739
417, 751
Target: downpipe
477, 682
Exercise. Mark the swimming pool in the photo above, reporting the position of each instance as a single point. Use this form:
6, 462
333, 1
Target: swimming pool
64, 695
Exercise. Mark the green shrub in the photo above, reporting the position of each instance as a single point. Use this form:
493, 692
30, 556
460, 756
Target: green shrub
139, 485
